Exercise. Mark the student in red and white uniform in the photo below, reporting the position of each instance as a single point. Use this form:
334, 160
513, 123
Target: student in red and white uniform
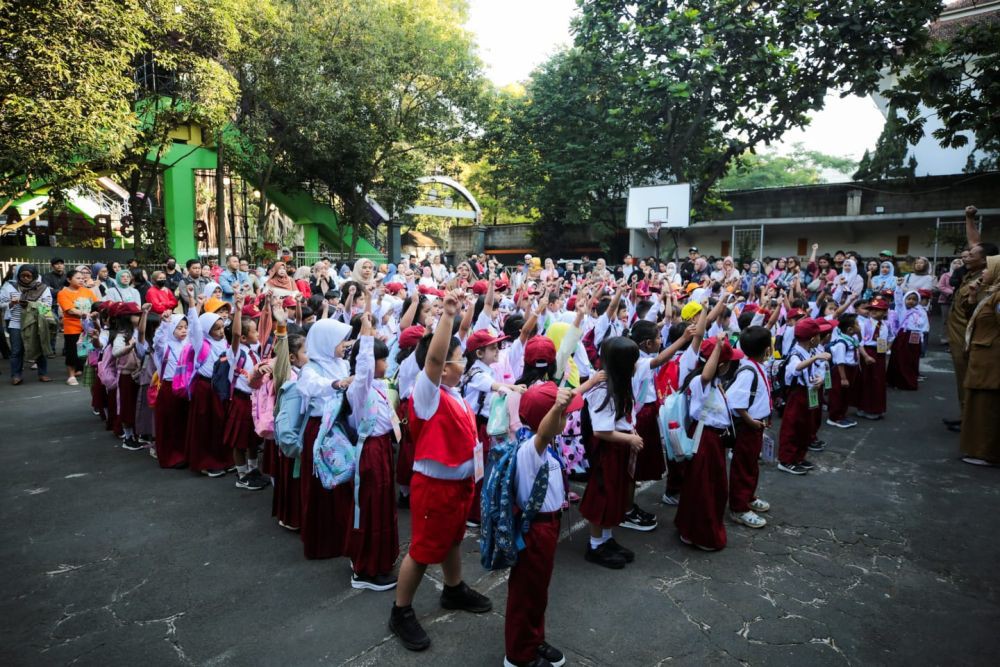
821, 369
802, 398
910, 324
844, 360
876, 338
543, 409
749, 398
406, 376
448, 460
238, 433
374, 545
702, 507
204, 443
170, 416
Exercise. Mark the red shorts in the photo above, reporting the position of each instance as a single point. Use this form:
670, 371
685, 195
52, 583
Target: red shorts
438, 508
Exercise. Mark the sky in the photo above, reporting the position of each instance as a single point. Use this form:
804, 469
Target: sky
514, 36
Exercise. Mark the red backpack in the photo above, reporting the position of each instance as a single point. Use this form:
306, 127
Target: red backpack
591, 349
667, 379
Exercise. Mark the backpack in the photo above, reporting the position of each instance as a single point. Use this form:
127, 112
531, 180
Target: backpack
753, 383
107, 369
186, 369
673, 420
779, 390
667, 379
466, 379
222, 383
338, 447
289, 422
262, 409
502, 531
593, 354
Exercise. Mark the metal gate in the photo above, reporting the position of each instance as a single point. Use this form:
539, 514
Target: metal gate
747, 243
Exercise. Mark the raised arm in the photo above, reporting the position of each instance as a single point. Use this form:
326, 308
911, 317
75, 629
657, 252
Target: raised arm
971, 230
437, 351
675, 347
712, 364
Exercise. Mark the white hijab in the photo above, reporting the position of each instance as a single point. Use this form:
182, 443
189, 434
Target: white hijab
322, 340
205, 322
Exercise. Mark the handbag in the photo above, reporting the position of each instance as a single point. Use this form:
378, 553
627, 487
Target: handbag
499, 421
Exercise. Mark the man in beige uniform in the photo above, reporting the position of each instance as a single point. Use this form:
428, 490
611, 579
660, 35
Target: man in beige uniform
958, 318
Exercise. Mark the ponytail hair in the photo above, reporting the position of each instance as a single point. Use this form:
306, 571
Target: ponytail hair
618, 357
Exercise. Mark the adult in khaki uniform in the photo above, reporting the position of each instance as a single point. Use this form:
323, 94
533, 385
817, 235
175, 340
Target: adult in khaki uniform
980, 437
962, 308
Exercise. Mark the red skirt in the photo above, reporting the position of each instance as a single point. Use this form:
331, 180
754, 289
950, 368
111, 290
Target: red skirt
651, 463
475, 512
871, 397
238, 432
606, 498
128, 393
404, 460
286, 504
438, 508
323, 533
838, 398
111, 412
98, 395
904, 363
744, 470
269, 458
796, 426
203, 442
374, 545
170, 420
702, 507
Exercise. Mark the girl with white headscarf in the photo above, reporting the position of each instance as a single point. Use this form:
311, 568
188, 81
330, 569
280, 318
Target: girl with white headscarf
171, 413
886, 279
324, 526
204, 444
909, 322
672, 275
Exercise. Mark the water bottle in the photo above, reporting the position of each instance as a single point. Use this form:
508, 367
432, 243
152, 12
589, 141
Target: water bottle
674, 434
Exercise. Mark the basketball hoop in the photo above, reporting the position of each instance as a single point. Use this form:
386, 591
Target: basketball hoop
653, 229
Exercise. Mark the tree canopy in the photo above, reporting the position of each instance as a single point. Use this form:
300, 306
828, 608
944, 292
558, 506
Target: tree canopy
768, 169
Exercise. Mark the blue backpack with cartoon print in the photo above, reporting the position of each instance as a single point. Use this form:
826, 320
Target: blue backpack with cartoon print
501, 535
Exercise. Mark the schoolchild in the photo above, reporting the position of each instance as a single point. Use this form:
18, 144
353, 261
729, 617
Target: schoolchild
802, 398
612, 447
124, 349
373, 544
290, 356
876, 338
650, 462
204, 444
144, 417
821, 369
322, 533
911, 325
844, 359
749, 397
448, 460
171, 410
543, 410
238, 432
478, 387
702, 507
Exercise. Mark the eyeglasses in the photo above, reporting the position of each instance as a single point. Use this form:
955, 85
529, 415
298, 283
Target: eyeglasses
460, 362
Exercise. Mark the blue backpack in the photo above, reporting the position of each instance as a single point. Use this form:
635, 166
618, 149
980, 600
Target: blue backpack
338, 447
222, 385
673, 419
502, 533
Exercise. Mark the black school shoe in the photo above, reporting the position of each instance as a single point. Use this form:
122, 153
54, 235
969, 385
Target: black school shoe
380, 582
807, 465
537, 662
817, 446
404, 624
403, 502
550, 653
464, 598
606, 556
627, 554
636, 519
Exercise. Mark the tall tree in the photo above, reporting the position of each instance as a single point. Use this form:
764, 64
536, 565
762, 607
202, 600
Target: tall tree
65, 89
954, 78
768, 169
750, 71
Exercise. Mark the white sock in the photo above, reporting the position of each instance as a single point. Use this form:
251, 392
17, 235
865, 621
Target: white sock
605, 534
597, 541
252, 463
128, 432
242, 470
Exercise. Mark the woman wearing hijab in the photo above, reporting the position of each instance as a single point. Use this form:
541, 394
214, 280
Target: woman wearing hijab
672, 275
121, 290
849, 280
99, 274
980, 439
322, 536
320, 282
280, 284
364, 272
17, 296
754, 279
921, 277
885, 280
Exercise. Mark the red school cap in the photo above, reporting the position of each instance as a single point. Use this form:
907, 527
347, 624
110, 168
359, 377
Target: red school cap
539, 351
878, 303
807, 328
394, 288
728, 353
482, 338
480, 287
410, 336
539, 399
571, 303
826, 326
793, 313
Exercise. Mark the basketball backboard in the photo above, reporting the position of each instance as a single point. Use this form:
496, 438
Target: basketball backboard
670, 205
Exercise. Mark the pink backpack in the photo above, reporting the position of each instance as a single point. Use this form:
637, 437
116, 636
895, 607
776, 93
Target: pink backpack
262, 409
186, 368
107, 369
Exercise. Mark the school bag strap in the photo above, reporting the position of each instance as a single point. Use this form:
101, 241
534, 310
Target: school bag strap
753, 382
466, 379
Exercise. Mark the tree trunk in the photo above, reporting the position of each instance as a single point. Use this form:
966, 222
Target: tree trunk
220, 202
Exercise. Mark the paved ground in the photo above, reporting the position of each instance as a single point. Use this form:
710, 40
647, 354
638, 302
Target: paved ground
886, 555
